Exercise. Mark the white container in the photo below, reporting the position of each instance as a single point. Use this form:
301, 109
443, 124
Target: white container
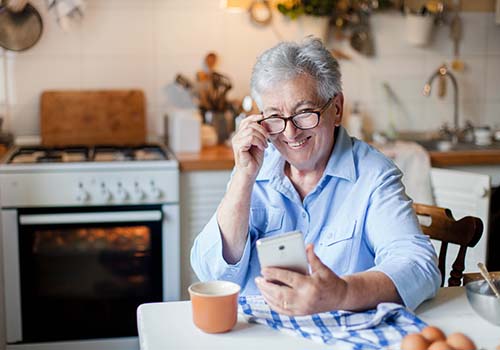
419, 29
482, 136
184, 127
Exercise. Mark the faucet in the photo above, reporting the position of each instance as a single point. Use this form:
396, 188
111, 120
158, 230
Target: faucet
445, 72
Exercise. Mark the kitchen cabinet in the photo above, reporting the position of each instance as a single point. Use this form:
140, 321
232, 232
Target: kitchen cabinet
200, 193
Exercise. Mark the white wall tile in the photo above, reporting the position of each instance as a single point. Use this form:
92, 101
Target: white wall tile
119, 72
491, 115
493, 78
108, 31
390, 35
473, 36
31, 75
24, 119
493, 34
193, 32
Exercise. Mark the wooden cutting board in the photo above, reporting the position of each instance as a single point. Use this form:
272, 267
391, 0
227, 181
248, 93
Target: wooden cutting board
105, 117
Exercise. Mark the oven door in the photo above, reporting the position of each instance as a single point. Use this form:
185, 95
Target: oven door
83, 271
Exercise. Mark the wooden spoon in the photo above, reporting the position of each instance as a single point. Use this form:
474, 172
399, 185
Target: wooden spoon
456, 35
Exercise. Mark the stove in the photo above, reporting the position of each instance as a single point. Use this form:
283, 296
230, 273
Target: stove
88, 175
91, 231
39, 154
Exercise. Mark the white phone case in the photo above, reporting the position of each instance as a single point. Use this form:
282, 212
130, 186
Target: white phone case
285, 251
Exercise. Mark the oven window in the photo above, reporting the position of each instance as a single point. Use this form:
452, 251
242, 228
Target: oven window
85, 281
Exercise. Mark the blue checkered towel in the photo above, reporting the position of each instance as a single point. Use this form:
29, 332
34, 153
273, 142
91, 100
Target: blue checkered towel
373, 329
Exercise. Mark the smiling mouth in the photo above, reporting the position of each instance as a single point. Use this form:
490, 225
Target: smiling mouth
297, 144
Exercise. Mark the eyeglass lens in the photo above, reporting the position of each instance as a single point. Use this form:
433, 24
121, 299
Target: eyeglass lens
301, 121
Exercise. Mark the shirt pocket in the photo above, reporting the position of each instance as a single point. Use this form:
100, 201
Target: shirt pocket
333, 234
337, 243
267, 220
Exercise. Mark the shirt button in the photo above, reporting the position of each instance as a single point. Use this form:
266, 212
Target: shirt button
304, 215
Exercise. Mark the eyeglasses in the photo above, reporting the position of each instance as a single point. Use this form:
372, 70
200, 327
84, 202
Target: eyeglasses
303, 120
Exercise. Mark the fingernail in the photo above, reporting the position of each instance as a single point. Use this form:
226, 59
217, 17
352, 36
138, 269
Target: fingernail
258, 280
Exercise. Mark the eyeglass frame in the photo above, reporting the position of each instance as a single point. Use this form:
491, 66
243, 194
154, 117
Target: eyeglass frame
318, 112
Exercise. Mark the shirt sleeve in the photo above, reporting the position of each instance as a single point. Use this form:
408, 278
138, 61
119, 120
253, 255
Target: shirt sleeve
401, 250
207, 260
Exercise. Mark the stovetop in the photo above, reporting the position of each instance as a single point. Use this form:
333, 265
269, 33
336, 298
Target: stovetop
100, 153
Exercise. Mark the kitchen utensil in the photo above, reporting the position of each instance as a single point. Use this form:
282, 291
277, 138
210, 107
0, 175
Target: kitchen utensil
441, 86
418, 29
456, 35
16, 5
483, 301
362, 41
486, 275
20, 30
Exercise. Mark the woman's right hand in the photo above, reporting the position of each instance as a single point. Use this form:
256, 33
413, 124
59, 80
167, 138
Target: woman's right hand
249, 144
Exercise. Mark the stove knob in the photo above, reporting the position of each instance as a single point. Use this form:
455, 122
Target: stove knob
105, 194
154, 191
121, 193
138, 193
82, 195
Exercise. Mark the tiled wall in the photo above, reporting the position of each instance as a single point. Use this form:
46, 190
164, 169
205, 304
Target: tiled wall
145, 43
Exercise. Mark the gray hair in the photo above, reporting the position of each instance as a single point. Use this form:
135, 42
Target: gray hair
287, 60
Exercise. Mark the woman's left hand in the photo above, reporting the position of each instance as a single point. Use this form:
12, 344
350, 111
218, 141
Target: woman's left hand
320, 291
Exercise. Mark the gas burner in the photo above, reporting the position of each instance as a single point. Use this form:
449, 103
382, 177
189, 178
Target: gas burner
42, 154
136, 153
50, 158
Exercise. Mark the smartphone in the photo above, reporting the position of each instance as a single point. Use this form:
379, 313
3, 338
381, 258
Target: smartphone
285, 251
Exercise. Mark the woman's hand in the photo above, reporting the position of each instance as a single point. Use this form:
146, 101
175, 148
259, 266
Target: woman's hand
249, 144
321, 291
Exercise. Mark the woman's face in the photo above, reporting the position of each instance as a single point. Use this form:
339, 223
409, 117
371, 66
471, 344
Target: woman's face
306, 150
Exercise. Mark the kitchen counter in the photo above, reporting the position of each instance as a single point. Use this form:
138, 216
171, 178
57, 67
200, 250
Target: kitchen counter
462, 157
221, 157
218, 157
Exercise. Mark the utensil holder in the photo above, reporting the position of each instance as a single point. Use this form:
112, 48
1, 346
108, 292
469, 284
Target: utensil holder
419, 29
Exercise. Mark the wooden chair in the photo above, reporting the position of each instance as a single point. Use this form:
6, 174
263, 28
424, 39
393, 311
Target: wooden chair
439, 224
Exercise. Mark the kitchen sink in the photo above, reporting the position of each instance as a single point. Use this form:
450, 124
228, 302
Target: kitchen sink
436, 145
432, 142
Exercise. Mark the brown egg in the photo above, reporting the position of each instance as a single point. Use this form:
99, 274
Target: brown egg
460, 341
414, 342
433, 334
440, 345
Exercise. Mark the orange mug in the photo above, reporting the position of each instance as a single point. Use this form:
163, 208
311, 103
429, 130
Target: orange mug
214, 305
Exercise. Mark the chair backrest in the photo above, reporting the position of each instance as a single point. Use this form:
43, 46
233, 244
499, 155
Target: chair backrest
438, 223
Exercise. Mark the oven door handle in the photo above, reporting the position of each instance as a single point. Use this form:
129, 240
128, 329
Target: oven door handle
91, 218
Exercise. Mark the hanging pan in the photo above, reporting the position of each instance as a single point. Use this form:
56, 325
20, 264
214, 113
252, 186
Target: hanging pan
19, 30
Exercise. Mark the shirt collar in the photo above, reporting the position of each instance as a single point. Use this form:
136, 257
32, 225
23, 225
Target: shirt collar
340, 164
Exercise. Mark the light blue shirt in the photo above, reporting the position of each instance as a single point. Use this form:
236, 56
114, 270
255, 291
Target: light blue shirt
358, 217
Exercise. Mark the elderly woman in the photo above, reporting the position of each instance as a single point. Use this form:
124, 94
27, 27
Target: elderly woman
296, 168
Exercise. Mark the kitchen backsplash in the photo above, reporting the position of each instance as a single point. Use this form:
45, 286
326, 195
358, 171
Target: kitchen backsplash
144, 44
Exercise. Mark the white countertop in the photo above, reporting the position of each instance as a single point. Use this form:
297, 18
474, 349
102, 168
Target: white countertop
169, 326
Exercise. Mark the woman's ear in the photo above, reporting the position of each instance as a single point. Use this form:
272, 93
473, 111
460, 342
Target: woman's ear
339, 108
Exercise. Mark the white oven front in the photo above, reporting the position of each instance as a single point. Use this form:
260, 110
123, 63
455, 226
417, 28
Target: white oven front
73, 276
